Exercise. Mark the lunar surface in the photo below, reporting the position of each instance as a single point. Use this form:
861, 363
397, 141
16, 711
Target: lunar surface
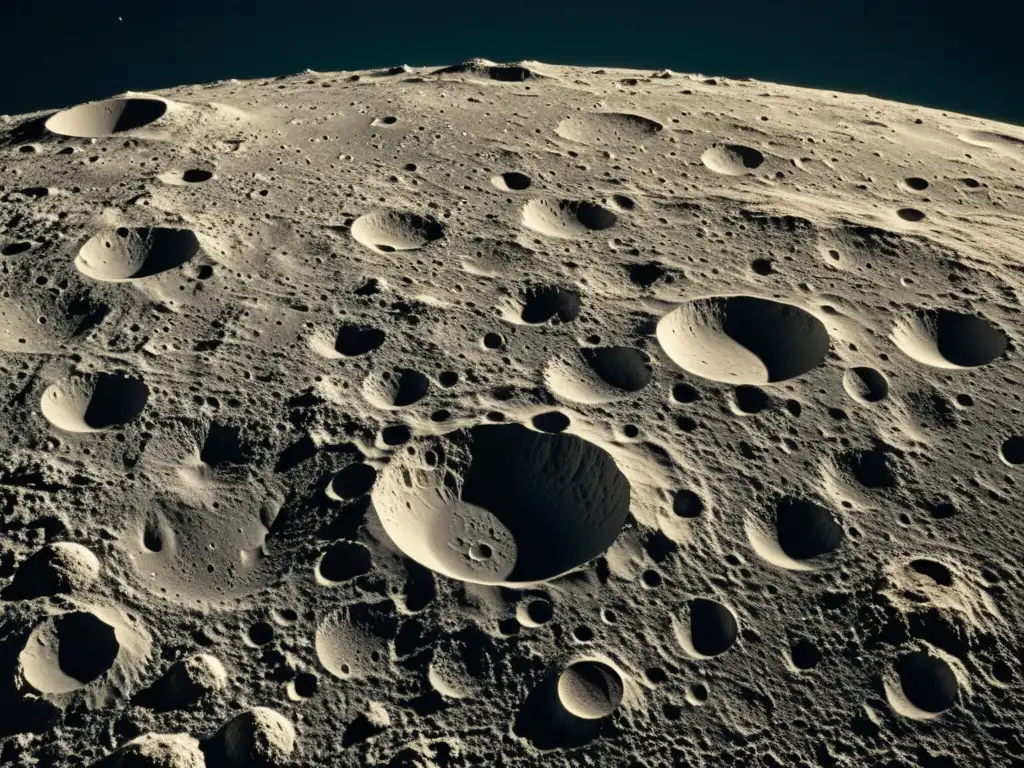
510, 415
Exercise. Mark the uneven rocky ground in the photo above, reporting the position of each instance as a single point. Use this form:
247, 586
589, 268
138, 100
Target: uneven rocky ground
510, 415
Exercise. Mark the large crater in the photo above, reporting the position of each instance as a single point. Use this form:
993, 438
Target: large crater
106, 118
743, 339
502, 504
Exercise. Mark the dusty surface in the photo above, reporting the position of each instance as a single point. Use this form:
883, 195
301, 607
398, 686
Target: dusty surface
510, 415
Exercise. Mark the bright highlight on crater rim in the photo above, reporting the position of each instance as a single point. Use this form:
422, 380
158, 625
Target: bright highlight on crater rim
509, 414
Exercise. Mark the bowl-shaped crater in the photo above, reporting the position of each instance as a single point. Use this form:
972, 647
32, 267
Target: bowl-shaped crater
106, 118
502, 504
743, 339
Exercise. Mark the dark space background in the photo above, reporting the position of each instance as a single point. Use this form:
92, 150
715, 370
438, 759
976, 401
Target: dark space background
963, 56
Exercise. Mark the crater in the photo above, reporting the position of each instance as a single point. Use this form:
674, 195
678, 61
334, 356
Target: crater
750, 400
607, 128
796, 535
186, 178
389, 231
590, 689
706, 628
566, 218
354, 340
944, 338
94, 402
598, 374
106, 118
511, 181
352, 481
553, 422
910, 214
343, 561
687, 503
504, 504
731, 159
934, 570
1012, 450
924, 685
544, 303
353, 643
865, 385
68, 651
743, 339
131, 254
395, 389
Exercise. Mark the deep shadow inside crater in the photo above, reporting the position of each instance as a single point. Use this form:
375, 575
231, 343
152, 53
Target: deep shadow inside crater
353, 340
624, 368
115, 400
88, 646
543, 303
545, 723
787, 340
927, 681
562, 498
806, 530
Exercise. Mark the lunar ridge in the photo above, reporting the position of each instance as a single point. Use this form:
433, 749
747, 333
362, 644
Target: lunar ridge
510, 414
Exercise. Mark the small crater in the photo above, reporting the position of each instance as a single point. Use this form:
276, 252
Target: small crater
512, 181
935, 571
608, 128
645, 275
865, 385
552, 422
916, 183
732, 159
353, 481
535, 612
343, 561
68, 651
804, 655
544, 303
396, 389
566, 218
355, 340
910, 214
95, 402
927, 682
196, 176
390, 231
805, 530
13, 249
750, 400
709, 628
686, 503
685, 393
543, 504
599, 374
